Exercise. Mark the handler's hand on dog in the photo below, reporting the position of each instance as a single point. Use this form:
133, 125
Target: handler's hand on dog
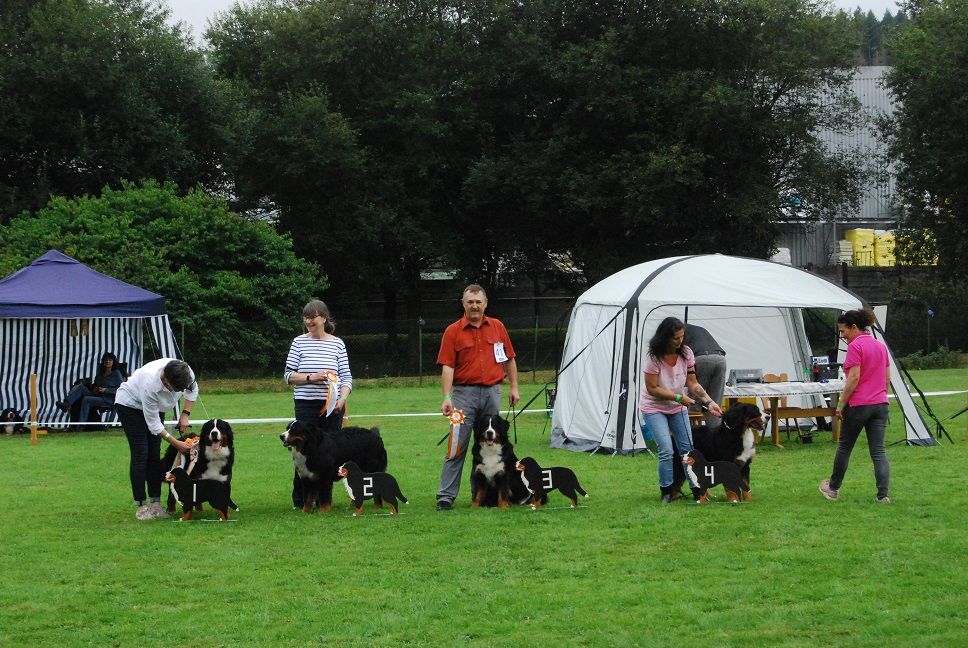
716, 409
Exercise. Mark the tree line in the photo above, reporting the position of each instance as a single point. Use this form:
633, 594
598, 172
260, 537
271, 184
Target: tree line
345, 146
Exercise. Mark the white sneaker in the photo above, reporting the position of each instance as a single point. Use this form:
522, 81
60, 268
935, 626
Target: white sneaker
827, 491
143, 513
157, 511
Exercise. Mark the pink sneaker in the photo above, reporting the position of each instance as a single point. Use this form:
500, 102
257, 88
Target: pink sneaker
157, 511
827, 491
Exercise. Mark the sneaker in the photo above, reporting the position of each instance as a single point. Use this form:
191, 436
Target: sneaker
62, 406
143, 513
882, 499
157, 511
827, 491
444, 505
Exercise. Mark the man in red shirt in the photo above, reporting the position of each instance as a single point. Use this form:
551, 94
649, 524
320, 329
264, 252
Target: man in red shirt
475, 352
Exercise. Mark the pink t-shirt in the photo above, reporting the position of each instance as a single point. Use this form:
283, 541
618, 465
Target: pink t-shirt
672, 378
871, 356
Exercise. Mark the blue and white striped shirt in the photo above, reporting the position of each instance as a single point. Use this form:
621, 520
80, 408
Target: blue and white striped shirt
309, 355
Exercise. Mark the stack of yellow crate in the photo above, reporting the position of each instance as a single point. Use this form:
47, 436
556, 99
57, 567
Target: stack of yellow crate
862, 240
884, 248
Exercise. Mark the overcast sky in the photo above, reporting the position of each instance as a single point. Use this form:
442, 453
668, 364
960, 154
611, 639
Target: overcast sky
197, 12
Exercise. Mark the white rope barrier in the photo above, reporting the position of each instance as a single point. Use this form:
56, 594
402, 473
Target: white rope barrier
355, 415
243, 421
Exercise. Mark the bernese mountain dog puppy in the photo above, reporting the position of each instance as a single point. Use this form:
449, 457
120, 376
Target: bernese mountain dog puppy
192, 492
317, 455
215, 459
362, 486
540, 481
703, 475
732, 440
494, 478
11, 422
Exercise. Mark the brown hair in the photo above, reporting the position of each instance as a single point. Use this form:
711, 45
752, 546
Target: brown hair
318, 308
474, 288
862, 318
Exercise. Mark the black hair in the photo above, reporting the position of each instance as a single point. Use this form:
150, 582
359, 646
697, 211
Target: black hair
114, 367
318, 308
179, 375
862, 318
659, 343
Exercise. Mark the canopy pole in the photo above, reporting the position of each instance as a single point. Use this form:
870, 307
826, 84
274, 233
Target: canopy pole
33, 409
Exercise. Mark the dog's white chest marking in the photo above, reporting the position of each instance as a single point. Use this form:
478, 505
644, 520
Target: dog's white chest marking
491, 464
349, 489
693, 478
527, 484
299, 461
749, 448
217, 460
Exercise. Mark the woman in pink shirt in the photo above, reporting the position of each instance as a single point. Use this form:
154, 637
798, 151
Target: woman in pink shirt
864, 402
670, 376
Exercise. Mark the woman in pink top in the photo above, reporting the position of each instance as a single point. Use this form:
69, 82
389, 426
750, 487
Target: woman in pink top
864, 402
670, 376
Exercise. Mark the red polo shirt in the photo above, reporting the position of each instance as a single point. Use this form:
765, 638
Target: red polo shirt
471, 351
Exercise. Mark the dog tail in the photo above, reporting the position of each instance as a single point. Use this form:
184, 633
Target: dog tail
400, 496
581, 491
233, 505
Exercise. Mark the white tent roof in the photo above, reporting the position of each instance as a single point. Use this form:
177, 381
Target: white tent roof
720, 280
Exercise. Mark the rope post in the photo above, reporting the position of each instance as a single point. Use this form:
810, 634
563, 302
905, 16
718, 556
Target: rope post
33, 409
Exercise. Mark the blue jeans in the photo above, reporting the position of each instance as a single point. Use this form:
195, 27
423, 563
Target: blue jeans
663, 428
873, 419
96, 402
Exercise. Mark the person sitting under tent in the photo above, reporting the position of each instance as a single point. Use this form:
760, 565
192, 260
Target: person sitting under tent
98, 393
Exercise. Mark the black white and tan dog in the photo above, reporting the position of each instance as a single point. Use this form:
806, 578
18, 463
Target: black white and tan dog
192, 492
11, 422
540, 481
317, 455
732, 440
703, 475
494, 478
362, 486
215, 459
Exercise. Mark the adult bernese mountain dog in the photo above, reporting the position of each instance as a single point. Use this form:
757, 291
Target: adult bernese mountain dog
539, 481
191, 493
732, 440
704, 474
215, 459
362, 486
317, 455
495, 480
11, 422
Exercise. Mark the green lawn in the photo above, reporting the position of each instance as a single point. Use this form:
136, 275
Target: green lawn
788, 568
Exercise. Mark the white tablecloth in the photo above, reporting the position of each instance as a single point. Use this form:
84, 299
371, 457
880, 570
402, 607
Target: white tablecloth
783, 389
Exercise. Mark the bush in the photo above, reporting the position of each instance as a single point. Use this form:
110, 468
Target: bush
942, 358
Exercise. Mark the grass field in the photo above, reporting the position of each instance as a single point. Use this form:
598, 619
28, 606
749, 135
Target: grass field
787, 569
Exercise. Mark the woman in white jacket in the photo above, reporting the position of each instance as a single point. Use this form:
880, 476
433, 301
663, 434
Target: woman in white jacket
141, 403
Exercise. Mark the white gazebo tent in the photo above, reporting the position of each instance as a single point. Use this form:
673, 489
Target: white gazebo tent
752, 307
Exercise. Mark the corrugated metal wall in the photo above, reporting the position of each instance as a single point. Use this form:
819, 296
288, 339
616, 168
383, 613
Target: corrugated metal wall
812, 243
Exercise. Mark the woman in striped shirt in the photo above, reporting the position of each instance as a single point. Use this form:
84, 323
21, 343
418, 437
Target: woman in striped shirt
319, 369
